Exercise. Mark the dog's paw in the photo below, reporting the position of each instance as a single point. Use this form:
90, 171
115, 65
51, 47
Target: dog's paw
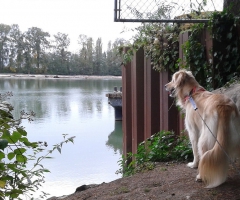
192, 165
198, 178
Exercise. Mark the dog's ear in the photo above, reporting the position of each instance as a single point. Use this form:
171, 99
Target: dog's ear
182, 77
179, 78
189, 73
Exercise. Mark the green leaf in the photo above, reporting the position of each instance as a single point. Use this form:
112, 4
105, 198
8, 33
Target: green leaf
2, 167
21, 158
48, 157
15, 193
11, 155
59, 149
25, 141
6, 134
71, 139
46, 170
19, 151
2, 155
12, 167
15, 136
3, 144
22, 131
2, 184
6, 126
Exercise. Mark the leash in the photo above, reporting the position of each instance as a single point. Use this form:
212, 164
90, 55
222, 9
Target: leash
196, 109
173, 103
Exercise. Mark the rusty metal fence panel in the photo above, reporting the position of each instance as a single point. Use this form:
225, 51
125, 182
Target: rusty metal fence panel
181, 11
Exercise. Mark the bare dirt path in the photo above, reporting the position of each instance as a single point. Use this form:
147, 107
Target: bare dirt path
166, 181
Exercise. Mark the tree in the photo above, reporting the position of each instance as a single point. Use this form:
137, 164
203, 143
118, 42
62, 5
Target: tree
37, 43
62, 43
98, 58
86, 54
4, 45
82, 41
32, 52
113, 59
90, 55
16, 48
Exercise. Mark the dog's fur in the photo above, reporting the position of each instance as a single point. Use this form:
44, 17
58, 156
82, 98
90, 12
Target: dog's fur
221, 116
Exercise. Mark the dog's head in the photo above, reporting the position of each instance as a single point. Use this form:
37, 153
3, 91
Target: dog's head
181, 84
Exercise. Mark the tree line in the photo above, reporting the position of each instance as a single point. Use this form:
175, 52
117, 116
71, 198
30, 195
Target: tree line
36, 52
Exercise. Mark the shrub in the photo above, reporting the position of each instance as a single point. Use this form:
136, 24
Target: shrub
21, 171
161, 147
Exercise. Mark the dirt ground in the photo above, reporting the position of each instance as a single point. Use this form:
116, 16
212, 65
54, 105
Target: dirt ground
166, 181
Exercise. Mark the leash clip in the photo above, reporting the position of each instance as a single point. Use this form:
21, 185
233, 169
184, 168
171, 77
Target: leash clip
193, 103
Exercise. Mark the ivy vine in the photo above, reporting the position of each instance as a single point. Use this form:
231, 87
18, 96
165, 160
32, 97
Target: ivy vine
161, 43
226, 47
196, 56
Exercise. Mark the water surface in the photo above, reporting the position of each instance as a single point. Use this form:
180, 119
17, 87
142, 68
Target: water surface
78, 108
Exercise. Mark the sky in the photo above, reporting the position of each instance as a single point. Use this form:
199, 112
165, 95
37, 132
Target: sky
94, 18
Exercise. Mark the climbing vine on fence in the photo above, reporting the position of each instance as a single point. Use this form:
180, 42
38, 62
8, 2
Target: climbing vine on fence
161, 42
225, 32
195, 56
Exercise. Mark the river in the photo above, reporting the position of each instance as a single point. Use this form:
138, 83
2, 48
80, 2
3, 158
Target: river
78, 108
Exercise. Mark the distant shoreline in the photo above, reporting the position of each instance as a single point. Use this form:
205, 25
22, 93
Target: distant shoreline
41, 76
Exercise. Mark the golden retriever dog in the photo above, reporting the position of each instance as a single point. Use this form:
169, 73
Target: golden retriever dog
213, 125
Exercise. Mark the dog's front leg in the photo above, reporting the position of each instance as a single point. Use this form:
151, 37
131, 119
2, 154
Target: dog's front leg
194, 164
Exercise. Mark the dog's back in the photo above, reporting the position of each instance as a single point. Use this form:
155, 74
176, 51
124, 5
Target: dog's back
213, 166
214, 128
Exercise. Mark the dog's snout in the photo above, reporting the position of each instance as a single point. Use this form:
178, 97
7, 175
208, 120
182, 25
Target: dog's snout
166, 87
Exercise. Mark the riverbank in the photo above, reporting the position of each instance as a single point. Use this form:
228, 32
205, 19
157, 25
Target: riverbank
41, 76
172, 180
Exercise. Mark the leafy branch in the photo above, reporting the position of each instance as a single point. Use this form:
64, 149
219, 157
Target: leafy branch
17, 154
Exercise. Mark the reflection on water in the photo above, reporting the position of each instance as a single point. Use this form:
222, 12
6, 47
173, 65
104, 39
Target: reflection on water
78, 108
115, 138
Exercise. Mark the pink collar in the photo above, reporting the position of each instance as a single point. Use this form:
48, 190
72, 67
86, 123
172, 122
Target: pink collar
193, 91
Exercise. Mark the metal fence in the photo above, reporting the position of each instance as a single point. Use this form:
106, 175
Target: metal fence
182, 11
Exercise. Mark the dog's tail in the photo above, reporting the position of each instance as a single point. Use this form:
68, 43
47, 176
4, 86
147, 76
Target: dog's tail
213, 166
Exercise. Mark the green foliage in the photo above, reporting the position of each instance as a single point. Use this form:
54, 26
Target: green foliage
224, 65
34, 52
160, 42
196, 58
21, 171
225, 32
212, 67
161, 147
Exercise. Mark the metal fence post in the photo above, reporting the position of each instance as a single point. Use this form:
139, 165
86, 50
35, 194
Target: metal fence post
137, 76
127, 107
151, 99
